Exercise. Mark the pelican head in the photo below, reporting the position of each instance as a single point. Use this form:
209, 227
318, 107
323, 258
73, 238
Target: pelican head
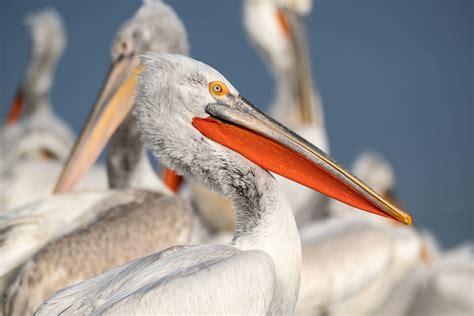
198, 124
155, 27
268, 24
48, 43
375, 170
276, 29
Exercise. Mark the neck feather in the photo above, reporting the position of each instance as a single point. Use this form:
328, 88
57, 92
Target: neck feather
287, 104
128, 165
38, 81
265, 222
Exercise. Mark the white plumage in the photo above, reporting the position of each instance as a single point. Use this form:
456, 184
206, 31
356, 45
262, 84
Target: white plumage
25, 230
443, 287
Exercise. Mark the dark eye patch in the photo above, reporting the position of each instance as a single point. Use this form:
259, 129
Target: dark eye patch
197, 80
47, 154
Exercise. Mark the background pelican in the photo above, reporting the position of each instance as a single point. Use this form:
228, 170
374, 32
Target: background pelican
184, 109
444, 288
32, 151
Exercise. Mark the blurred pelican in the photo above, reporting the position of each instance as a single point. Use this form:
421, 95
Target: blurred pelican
445, 287
197, 123
277, 31
32, 151
145, 219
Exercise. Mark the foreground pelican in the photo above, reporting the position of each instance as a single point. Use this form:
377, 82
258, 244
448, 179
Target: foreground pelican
145, 221
277, 32
197, 123
32, 151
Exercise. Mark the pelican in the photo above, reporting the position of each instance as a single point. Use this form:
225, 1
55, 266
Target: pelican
138, 209
195, 122
32, 151
446, 287
442, 288
276, 30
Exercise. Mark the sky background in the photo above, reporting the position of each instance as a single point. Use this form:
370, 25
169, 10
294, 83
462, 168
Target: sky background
396, 76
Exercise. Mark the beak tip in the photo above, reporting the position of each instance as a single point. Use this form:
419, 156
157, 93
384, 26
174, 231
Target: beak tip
406, 219
57, 190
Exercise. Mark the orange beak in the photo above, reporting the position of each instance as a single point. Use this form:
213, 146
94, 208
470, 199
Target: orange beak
244, 129
16, 108
112, 107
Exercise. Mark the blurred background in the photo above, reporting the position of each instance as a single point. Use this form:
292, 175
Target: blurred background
396, 76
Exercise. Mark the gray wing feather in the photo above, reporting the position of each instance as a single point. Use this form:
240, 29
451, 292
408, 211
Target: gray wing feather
211, 278
25, 230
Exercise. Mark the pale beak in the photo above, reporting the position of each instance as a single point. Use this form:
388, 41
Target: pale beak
16, 108
302, 66
241, 127
112, 107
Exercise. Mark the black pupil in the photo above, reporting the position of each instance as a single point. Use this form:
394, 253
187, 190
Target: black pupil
217, 88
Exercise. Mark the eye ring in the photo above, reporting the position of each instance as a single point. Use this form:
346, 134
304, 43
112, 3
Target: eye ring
218, 89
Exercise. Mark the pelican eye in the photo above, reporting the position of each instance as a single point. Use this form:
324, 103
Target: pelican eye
218, 89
